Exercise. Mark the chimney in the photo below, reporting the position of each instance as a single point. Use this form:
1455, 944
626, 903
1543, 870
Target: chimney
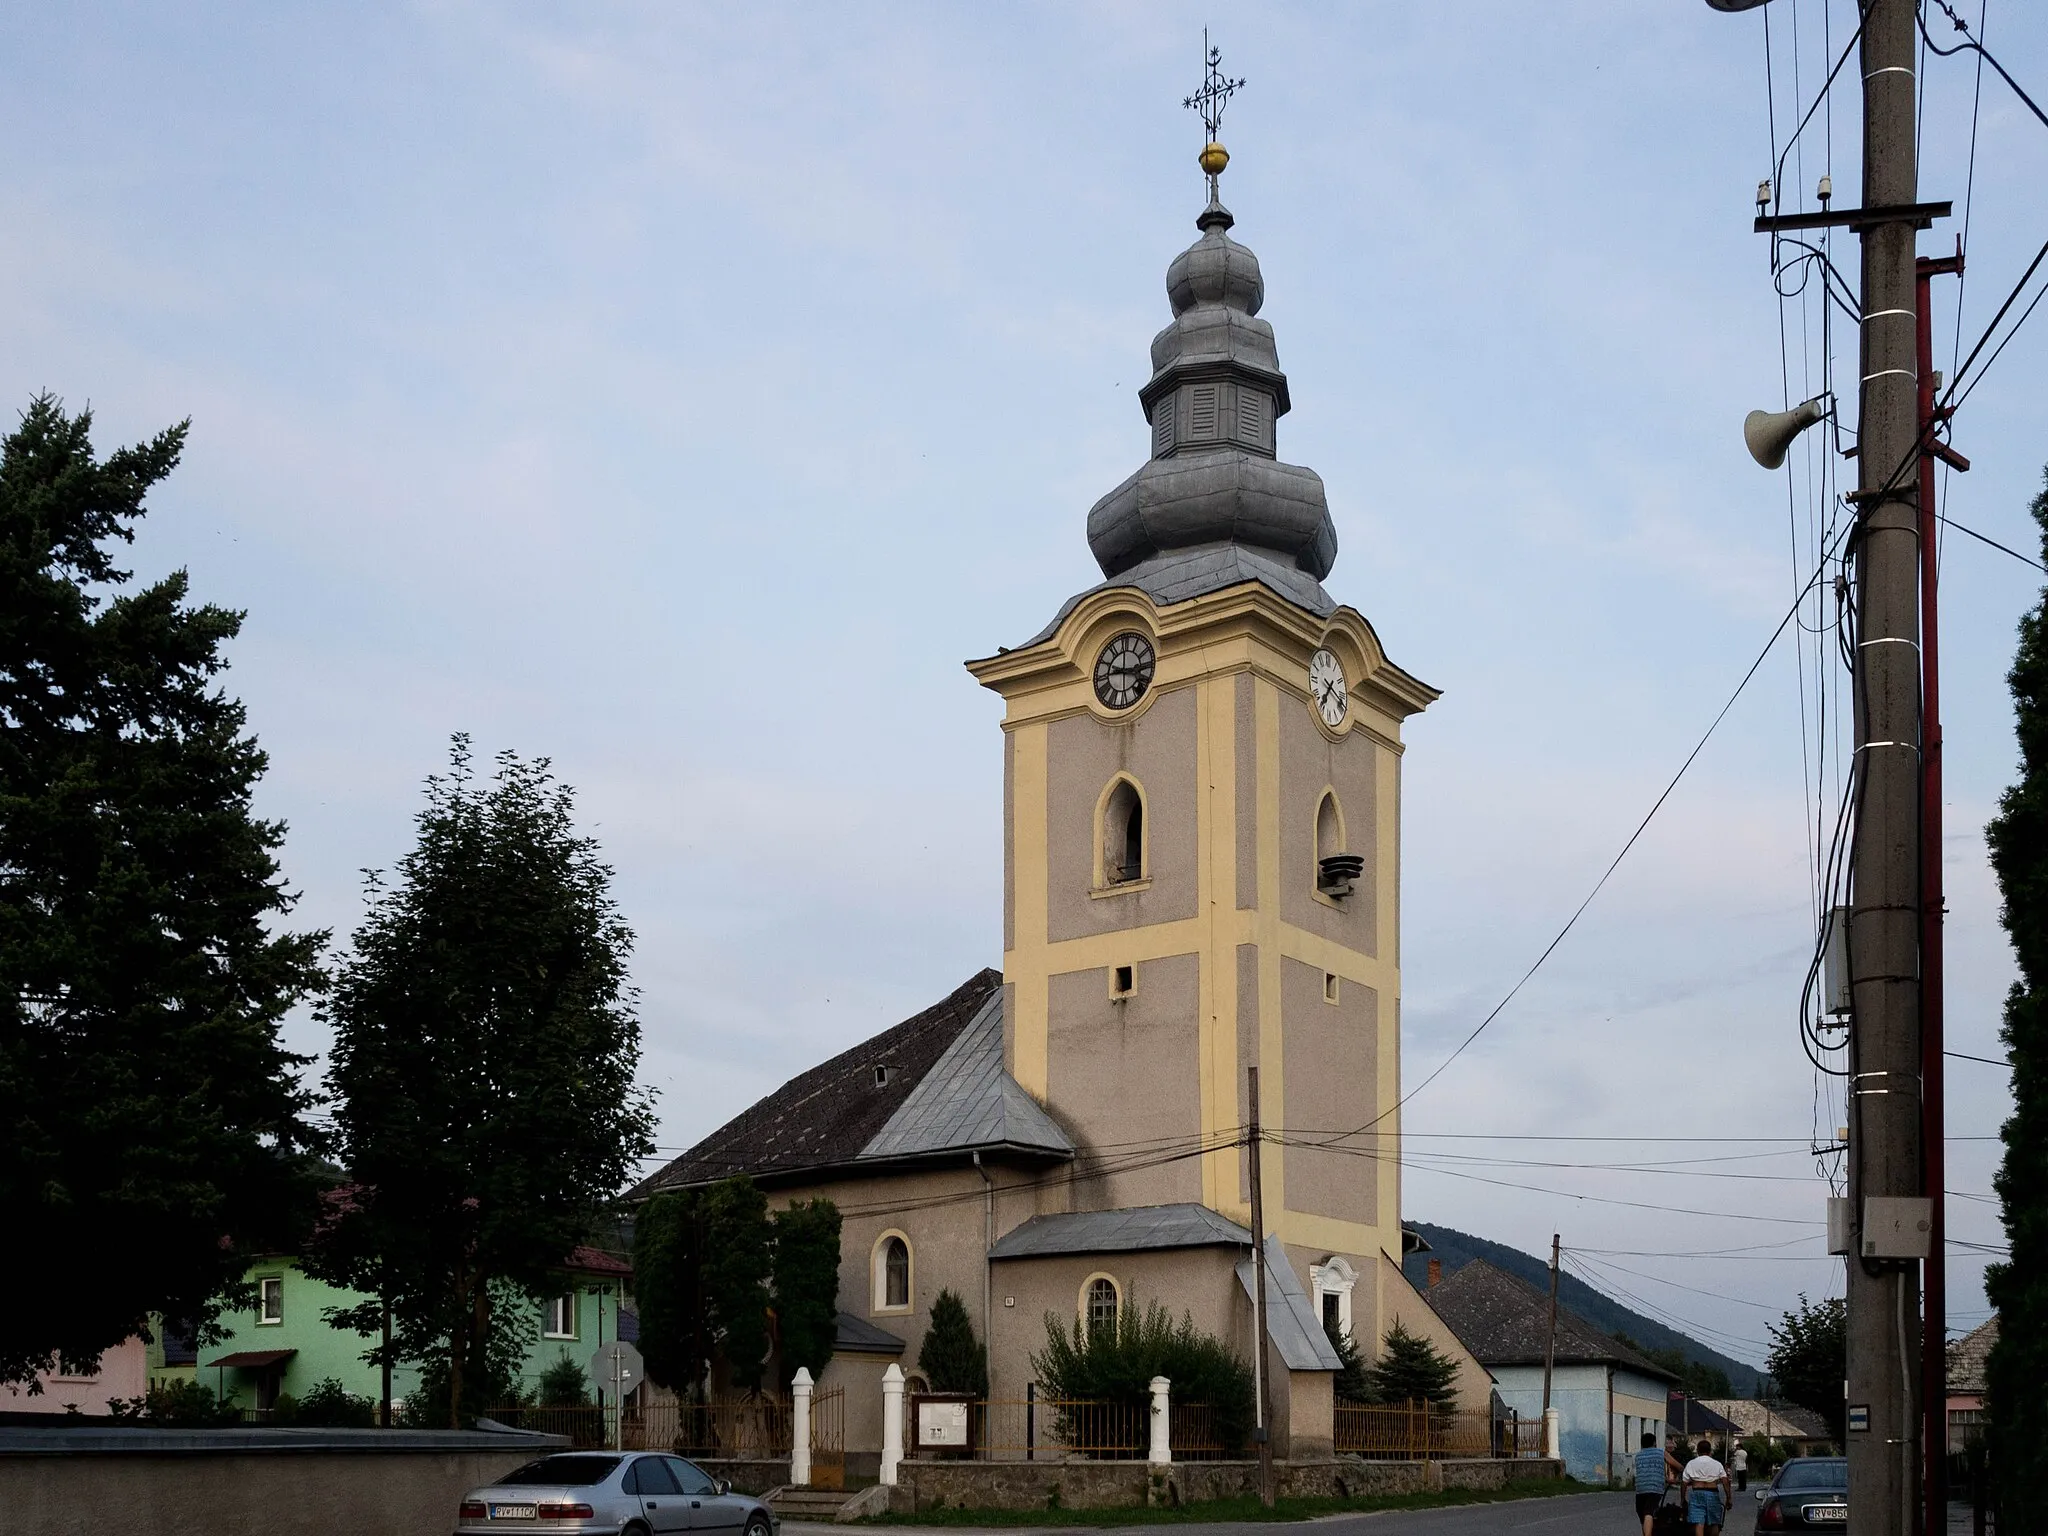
1436, 1271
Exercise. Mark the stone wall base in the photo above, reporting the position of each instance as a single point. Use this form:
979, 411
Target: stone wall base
924, 1486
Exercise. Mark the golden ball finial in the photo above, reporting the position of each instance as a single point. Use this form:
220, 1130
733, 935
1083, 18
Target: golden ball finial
1213, 158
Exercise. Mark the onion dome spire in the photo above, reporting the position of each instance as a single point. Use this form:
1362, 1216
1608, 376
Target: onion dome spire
1213, 506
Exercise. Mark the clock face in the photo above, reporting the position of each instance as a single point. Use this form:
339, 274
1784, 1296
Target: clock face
1124, 670
1326, 687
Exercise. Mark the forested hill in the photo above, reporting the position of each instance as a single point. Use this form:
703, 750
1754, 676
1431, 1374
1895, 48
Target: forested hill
1456, 1249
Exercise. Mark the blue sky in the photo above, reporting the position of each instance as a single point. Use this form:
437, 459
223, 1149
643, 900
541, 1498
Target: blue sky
683, 392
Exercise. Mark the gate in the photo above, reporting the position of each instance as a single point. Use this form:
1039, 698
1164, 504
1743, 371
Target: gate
828, 1438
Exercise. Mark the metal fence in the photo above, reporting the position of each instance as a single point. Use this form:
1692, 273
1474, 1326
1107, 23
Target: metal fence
739, 1429
1421, 1431
1034, 1428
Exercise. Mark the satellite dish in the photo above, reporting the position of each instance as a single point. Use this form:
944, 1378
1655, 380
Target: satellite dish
616, 1369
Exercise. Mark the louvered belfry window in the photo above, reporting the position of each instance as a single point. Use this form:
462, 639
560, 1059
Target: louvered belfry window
1251, 418
1162, 427
1202, 412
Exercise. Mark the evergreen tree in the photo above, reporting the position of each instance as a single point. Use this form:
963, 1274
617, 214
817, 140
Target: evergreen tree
483, 1059
1353, 1383
2018, 1288
806, 1283
668, 1288
1809, 1357
151, 1127
951, 1357
1411, 1369
736, 1265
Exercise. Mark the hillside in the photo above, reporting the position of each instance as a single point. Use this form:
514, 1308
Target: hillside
1457, 1249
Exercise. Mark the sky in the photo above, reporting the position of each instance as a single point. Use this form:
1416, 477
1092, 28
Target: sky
682, 392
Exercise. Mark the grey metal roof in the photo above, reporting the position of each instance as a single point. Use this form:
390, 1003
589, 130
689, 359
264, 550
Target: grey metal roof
968, 1100
1291, 1321
1176, 575
1129, 1230
857, 1336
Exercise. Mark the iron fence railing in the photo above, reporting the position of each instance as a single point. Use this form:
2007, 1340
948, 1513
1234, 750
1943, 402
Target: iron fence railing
1421, 1431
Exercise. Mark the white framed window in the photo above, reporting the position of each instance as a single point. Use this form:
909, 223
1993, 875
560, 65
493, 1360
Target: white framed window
893, 1278
270, 1300
1102, 1301
561, 1317
1332, 1282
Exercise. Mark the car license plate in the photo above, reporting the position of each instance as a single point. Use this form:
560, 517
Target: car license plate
512, 1512
1820, 1512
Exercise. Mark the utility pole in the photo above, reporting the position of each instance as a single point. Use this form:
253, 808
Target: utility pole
1550, 1347
1884, 922
1894, 1142
1262, 1431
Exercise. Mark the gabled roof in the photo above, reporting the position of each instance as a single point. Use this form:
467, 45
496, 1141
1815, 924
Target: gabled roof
1506, 1321
857, 1336
1967, 1356
1781, 1421
1692, 1416
928, 1100
1130, 1230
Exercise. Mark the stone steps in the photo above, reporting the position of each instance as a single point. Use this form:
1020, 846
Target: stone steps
820, 1504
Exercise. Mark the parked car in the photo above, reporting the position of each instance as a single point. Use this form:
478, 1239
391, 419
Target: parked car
1808, 1493
596, 1493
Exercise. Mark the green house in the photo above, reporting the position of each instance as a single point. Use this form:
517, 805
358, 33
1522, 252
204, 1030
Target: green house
284, 1345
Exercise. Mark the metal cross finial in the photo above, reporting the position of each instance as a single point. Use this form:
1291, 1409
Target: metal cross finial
1216, 91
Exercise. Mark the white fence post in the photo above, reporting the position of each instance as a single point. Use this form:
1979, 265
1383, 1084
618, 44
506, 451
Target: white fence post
892, 1423
1550, 1433
1161, 1453
800, 1427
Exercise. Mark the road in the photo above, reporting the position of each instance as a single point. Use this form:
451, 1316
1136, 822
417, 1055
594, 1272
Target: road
1595, 1514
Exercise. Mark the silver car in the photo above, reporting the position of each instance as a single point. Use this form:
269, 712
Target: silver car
612, 1494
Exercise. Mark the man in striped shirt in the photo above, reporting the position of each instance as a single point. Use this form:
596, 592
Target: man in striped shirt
1654, 1470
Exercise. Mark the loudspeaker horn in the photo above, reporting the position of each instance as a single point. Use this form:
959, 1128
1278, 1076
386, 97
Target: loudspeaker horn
1769, 434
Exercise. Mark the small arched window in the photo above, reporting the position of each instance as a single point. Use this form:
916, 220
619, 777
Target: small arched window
1123, 834
1329, 827
1099, 1303
892, 1274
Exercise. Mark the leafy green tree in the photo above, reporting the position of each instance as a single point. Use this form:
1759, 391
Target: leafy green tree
806, 1284
149, 1115
1411, 1369
2018, 1287
737, 1264
1116, 1365
1353, 1383
951, 1357
668, 1288
484, 1050
1809, 1356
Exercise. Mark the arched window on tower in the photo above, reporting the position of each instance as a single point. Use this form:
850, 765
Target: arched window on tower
1123, 834
1336, 869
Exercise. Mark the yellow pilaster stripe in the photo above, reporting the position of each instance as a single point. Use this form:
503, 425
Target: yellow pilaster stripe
1216, 902
1025, 967
1387, 804
1271, 1040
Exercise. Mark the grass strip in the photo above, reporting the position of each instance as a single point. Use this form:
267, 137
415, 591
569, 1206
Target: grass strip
1244, 1508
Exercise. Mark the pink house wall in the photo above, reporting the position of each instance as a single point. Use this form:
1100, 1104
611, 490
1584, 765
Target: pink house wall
123, 1372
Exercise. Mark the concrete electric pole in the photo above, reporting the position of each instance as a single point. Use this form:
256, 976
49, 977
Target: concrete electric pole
1890, 1200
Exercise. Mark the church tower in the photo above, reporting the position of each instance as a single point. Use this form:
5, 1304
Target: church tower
1201, 814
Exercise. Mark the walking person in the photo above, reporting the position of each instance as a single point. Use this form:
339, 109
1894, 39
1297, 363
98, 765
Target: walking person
1707, 1494
1738, 1463
1656, 1469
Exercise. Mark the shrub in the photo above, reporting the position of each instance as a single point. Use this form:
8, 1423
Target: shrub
176, 1405
951, 1357
1117, 1365
327, 1405
562, 1384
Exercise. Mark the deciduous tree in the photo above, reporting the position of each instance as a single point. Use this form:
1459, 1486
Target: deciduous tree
2018, 1287
151, 1122
484, 1050
1809, 1356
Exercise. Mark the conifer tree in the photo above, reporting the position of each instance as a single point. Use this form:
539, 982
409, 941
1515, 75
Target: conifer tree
2018, 1288
951, 1357
668, 1288
151, 1121
737, 1263
1411, 1369
1353, 1383
806, 1283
